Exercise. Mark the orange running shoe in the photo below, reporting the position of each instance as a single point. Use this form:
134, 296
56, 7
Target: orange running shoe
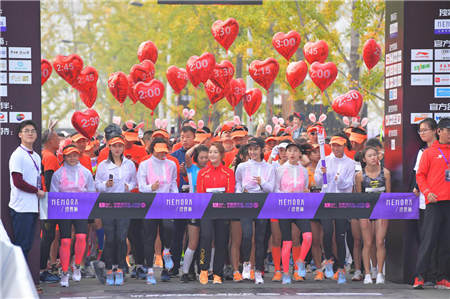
277, 276
336, 275
319, 275
203, 278
252, 275
297, 277
158, 261
237, 277
217, 279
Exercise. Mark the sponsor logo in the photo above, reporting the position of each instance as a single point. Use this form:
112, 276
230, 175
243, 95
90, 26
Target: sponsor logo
17, 117
393, 30
442, 67
3, 78
2, 52
393, 119
442, 26
421, 67
438, 116
3, 91
20, 52
422, 54
392, 108
418, 117
421, 80
392, 94
441, 79
3, 117
20, 65
2, 24
2, 65
442, 54
393, 47
442, 92
19, 78
393, 16
393, 133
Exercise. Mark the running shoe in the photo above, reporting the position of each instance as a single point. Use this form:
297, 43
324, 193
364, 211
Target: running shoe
151, 278
368, 279
418, 283
203, 278
100, 273
380, 278
118, 277
76, 276
336, 275
141, 272
192, 276
48, 277
237, 277
341, 277
246, 268
228, 273
442, 284
277, 276
329, 269
184, 278
297, 277
158, 263
65, 280
319, 275
168, 263
252, 274
174, 272
133, 272
286, 279
165, 277
374, 272
110, 278
259, 278
301, 269
312, 266
217, 279
357, 276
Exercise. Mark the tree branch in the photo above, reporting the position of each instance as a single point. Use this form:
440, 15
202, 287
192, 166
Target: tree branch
362, 88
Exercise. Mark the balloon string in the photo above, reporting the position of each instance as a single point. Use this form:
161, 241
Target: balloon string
209, 116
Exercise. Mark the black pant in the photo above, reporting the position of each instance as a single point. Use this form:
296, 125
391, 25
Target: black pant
23, 228
285, 226
65, 227
213, 229
48, 228
115, 249
340, 226
435, 230
149, 236
177, 242
247, 236
135, 237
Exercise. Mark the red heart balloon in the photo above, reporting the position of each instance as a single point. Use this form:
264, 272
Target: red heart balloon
68, 67
348, 104
215, 93
296, 73
286, 44
86, 122
225, 32
46, 70
252, 100
236, 92
87, 79
199, 69
371, 53
118, 86
264, 72
222, 73
317, 51
178, 78
131, 95
144, 71
147, 50
323, 74
149, 94
89, 96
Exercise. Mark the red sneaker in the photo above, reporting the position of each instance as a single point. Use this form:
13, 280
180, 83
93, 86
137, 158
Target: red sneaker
443, 284
418, 283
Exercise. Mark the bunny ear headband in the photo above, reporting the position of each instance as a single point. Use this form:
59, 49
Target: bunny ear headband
188, 114
313, 119
161, 124
355, 122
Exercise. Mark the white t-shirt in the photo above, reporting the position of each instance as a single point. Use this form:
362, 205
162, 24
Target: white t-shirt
21, 162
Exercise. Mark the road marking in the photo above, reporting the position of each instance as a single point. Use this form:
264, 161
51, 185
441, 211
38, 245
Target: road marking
339, 294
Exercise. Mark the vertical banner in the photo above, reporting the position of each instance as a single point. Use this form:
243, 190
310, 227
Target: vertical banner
20, 90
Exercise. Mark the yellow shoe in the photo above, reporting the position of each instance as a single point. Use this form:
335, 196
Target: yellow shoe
203, 278
297, 277
252, 275
217, 279
158, 261
319, 275
237, 277
277, 276
336, 275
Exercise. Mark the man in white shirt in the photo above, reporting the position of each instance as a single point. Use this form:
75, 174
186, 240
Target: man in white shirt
26, 187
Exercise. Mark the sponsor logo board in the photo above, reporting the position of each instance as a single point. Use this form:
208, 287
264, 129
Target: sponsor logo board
442, 79
421, 80
17, 117
421, 54
421, 67
416, 118
442, 92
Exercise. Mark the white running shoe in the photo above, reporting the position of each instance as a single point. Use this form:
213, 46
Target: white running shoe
380, 278
357, 276
65, 280
374, 272
258, 278
76, 276
368, 279
247, 267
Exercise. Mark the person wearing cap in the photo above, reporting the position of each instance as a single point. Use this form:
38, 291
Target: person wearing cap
228, 144
157, 175
340, 173
72, 177
254, 176
116, 174
433, 178
81, 143
270, 143
358, 138
312, 132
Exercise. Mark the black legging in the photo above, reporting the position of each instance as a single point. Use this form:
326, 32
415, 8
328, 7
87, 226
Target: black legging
149, 232
213, 230
115, 249
136, 241
246, 244
285, 226
340, 229
48, 235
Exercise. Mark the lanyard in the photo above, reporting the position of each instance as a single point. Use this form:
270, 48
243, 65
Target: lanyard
445, 158
34, 162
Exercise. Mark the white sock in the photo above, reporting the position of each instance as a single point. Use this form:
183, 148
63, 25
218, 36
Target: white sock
188, 257
166, 251
150, 271
211, 263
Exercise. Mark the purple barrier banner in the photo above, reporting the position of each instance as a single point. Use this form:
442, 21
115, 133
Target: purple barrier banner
291, 205
396, 206
178, 206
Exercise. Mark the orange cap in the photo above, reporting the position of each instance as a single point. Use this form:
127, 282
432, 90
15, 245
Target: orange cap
69, 150
116, 140
161, 148
358, 138
271, 138
162, 133
338, 140
239, 133
201, 137
78, 137
131, 136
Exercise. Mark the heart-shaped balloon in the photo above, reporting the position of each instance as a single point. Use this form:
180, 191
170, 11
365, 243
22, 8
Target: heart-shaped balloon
371, 53
147, 50
118, 86
149, 94
348, 104
199, 69
252, 100
323, 74
215, 93
296, 73
286, 43
222, 73
236, 91
89, 96
143, 72
225, 32
264, 72
68, 67
46, 70
317, 51
178, 78
131, 95
86, 122
86, 80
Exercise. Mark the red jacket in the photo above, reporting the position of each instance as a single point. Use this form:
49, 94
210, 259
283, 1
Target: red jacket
215, 177
431, 174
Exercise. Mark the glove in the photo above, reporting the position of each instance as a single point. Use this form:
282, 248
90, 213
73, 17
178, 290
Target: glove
274, 153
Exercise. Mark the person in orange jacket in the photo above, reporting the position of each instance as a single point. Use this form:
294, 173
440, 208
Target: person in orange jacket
81, 142
433, 178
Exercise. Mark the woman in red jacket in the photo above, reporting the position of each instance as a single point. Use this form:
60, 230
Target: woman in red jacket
214, 178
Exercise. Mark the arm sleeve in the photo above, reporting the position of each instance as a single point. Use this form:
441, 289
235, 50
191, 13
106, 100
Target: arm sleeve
277, 181
131, 179
20, 183
48, 178
318, 175
100, 178
174, 184
54, 186
239, 188
269, 184
346, 180
306, 176
141, 178
422, 174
